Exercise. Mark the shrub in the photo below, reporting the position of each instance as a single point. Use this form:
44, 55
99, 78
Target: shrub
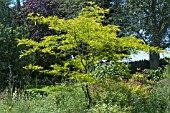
158, 101
167, 71
111, 69
120, 94
154, 75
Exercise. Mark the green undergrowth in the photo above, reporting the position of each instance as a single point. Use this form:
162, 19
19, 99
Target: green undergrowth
59, 102
108, 97
158, 100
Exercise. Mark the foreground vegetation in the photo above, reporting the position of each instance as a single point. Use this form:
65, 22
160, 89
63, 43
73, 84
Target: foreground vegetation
137, 95
117, 97
74, 65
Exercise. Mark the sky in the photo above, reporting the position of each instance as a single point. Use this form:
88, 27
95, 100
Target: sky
145, 56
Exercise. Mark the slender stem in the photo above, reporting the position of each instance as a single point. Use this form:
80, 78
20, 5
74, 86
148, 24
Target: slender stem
10, 82
89, 97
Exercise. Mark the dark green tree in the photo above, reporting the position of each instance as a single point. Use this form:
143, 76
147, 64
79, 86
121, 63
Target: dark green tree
5, 12
147, 19
11, 72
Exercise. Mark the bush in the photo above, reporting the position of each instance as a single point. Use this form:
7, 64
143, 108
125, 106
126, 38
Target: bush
120, 94
167, 71
111, 69
158, 101
155, 75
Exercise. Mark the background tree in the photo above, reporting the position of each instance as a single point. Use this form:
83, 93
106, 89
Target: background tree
11, 72
5, 12
148, 20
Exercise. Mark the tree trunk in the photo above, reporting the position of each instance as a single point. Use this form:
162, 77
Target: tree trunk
155, 40
154, 60
18, 3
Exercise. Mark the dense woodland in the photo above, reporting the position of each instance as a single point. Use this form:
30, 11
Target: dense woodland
66, 56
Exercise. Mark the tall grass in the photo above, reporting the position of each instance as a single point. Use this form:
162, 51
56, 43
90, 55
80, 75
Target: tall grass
60, 102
